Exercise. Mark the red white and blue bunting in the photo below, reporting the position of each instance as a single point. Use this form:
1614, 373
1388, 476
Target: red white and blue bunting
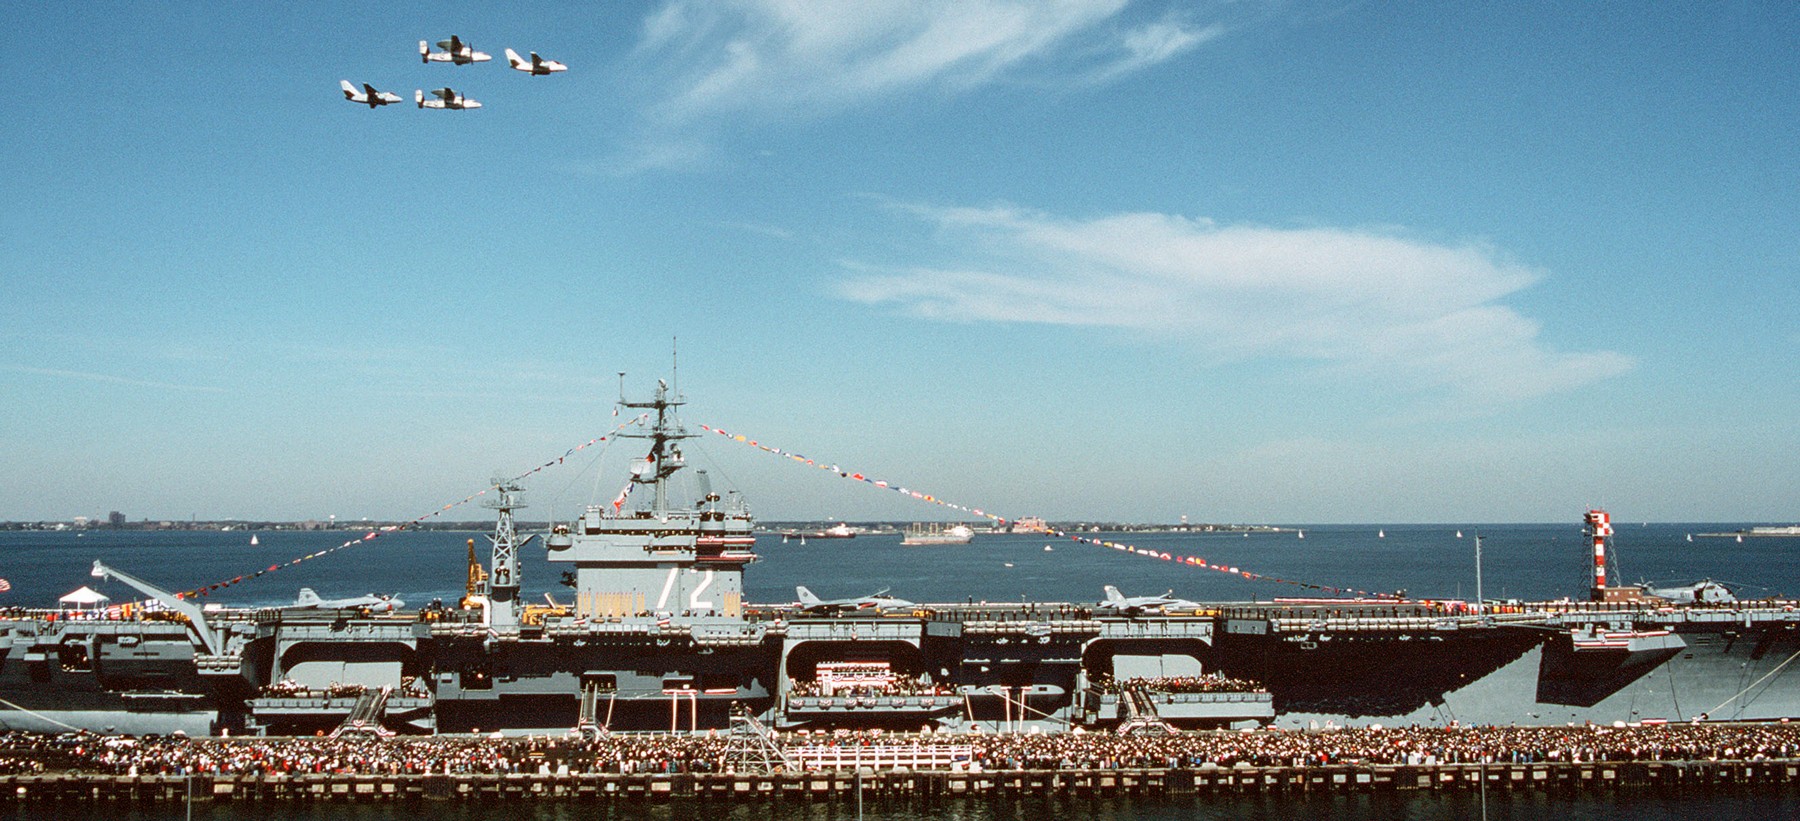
372, 535
1190, 561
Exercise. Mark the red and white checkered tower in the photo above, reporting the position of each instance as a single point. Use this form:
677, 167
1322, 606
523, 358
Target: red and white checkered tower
1599, 527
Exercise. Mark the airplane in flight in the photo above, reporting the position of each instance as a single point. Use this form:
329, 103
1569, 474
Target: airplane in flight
368, 96
309, 600
446, 98
455, 51
878, 602
535, 65
1143, 604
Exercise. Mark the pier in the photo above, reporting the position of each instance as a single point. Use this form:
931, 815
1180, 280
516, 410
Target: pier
1670, 777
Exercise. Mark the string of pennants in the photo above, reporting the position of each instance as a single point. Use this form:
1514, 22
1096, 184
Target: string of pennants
1190, 561
376, 534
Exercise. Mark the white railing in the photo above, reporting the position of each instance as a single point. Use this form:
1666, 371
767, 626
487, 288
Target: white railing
884, 756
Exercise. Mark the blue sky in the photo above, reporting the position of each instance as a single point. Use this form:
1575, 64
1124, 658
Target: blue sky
1241, 261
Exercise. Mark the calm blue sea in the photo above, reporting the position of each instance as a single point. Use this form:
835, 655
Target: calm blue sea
1518, 561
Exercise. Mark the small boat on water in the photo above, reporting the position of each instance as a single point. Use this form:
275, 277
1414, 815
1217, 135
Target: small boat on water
253, 540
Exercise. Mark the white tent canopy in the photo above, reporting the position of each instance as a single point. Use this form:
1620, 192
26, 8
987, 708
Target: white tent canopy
84, 597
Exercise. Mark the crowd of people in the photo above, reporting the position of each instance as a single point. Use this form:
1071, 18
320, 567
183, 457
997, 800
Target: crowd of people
25, 753
899, 686
1207, 683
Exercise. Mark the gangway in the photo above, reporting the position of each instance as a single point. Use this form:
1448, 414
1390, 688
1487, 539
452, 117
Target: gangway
589, 724
365, 716
1139, 712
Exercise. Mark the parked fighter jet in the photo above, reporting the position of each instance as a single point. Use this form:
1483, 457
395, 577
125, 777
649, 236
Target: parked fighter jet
535, 65
309, 600
1143, 604
878, 601
455, 51
446, 98
368, 96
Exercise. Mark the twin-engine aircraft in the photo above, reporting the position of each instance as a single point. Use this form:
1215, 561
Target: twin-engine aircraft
455, 51
308, 600
1143, 604
536, 65
446, 99
368, 96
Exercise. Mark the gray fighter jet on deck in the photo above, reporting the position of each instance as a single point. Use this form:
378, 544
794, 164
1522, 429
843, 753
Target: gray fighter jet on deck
309, 600
878, 602
1143, 604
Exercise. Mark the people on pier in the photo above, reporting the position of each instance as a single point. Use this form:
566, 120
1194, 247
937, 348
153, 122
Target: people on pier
706, 752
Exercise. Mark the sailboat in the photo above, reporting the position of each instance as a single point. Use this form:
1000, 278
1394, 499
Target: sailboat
1458, 534
253, 541
1302, 534
1380, 534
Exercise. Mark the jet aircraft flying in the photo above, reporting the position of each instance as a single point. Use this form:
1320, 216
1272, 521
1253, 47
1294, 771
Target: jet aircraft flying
455, 52
535, 65
446, 99
878, 601
368, 96
308, 600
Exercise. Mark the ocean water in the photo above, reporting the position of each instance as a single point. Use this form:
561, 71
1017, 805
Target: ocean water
1543, 561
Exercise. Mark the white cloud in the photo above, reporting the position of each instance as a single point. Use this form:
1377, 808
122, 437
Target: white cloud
90, 376
786, 57
1363, 302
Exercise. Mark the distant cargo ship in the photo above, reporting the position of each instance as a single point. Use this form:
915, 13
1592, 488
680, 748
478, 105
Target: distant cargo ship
1763, 532
936, 534
841, 530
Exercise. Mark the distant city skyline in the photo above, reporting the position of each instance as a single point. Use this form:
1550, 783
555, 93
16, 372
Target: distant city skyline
1095, 259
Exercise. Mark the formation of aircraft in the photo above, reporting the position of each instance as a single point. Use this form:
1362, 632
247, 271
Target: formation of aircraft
368, 96
877, 601
1143, 604
536, 65
447, 98
455, 52
309, 600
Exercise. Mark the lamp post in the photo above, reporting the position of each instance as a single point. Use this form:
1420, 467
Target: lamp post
1480, 603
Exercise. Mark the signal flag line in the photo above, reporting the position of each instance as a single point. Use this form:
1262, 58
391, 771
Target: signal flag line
1191, 561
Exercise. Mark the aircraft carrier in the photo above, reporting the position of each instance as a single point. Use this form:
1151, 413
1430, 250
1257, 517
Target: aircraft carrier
659, 638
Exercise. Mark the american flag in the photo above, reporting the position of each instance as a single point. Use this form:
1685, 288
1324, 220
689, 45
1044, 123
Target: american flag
5, 585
